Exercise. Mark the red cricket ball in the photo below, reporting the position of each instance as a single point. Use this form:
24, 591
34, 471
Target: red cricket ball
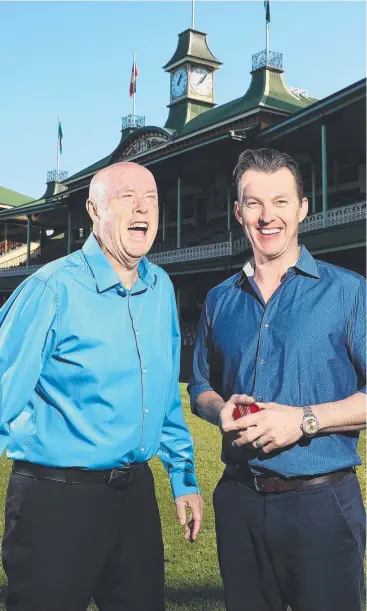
244, 410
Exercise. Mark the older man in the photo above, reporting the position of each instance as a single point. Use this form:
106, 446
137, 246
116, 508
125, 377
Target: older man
288, 331
89, 365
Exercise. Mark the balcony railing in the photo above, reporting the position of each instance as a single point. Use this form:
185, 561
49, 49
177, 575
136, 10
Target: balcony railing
20, 259
337, 216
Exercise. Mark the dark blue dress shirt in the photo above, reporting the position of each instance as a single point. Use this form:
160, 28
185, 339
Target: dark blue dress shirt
306, 346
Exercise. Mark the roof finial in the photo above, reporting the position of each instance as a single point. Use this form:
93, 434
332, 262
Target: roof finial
193, 14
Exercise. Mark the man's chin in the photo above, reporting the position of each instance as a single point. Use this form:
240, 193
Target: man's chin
138, 251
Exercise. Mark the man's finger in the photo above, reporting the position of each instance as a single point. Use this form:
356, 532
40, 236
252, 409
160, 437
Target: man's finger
195, 520
249, 420
242, 399
181, 511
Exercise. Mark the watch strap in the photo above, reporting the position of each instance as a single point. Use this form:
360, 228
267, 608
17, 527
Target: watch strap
307, 411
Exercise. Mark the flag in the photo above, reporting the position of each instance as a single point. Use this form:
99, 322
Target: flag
267, 10
59, 137
134, 74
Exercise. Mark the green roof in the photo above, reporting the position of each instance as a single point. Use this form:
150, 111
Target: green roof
192, 45
267, 90
102, 163
13, 198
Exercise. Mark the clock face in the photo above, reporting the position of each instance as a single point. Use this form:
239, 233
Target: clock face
179, 83
201, 81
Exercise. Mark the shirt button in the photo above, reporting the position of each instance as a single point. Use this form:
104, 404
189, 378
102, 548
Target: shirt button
142, 449
262, 362
266, 325
144, 370
137, 332
260, 399
146, 410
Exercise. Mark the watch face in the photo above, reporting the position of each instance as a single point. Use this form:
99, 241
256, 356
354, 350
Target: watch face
201, 81
179, 83
310, 426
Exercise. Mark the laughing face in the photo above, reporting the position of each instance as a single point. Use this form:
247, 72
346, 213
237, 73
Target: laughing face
270, 211
124, 199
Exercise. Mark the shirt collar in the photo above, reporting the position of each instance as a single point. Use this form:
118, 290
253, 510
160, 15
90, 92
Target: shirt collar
305, 263
103, 272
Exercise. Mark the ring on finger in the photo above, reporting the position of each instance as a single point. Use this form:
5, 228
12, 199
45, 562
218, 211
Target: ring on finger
259, 445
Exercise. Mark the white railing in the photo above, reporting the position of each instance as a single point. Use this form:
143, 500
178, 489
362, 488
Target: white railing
336, 216
192, 253
20, 271
19, 259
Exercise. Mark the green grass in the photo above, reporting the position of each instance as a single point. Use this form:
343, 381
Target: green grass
192, 576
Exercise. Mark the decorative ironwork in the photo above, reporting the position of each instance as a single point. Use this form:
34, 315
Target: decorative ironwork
53, 177
193, 253
131, 121
142, 145
20, 271
335, 216
270, 59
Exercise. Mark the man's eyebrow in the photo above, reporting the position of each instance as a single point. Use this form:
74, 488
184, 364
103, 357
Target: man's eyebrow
279, 195
244, 197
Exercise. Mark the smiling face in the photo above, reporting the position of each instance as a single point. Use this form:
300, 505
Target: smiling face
123, 204
270, 211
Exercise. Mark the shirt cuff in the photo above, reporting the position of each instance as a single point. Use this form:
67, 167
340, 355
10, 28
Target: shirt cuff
183, 483
195, 392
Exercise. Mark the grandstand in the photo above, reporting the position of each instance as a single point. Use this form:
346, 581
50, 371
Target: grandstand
192, 157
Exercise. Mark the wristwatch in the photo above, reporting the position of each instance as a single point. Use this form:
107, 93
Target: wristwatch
310, 425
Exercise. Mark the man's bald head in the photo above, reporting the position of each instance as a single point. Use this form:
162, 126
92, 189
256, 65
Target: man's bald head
108, 183
123, 205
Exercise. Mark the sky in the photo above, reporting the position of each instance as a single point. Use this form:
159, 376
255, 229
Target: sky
73, 60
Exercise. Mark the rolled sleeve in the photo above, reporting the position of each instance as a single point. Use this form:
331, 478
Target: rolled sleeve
200, 379
176, 447
356, 335
25, 324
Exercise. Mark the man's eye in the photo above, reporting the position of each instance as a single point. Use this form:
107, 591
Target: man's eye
281, 202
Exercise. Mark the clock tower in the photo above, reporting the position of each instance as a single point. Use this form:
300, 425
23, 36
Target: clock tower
191, 68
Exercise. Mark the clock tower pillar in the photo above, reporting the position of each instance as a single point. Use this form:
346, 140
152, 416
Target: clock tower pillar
191, 69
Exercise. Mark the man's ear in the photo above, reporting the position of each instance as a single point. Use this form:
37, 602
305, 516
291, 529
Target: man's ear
237, 212
92, 210
304, 209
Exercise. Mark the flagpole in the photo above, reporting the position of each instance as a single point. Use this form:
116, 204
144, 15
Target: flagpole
134, 89
193, 14
267, 42
58, 152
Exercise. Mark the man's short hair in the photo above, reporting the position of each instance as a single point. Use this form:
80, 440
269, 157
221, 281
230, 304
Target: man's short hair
269, 161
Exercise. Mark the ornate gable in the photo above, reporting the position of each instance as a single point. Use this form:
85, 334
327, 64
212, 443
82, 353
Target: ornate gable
141, 141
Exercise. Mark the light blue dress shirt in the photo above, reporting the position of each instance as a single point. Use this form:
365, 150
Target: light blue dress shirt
89, 370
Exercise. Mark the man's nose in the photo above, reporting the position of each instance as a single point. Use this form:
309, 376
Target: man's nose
140, 205
267, 215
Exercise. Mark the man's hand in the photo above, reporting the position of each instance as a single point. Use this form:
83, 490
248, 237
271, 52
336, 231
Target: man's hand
226, 413
275, 426
195, 504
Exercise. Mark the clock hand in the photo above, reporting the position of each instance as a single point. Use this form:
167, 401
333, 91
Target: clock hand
202, 79
179, 80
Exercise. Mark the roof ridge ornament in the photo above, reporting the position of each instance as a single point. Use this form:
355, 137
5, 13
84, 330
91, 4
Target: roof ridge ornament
267, 59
